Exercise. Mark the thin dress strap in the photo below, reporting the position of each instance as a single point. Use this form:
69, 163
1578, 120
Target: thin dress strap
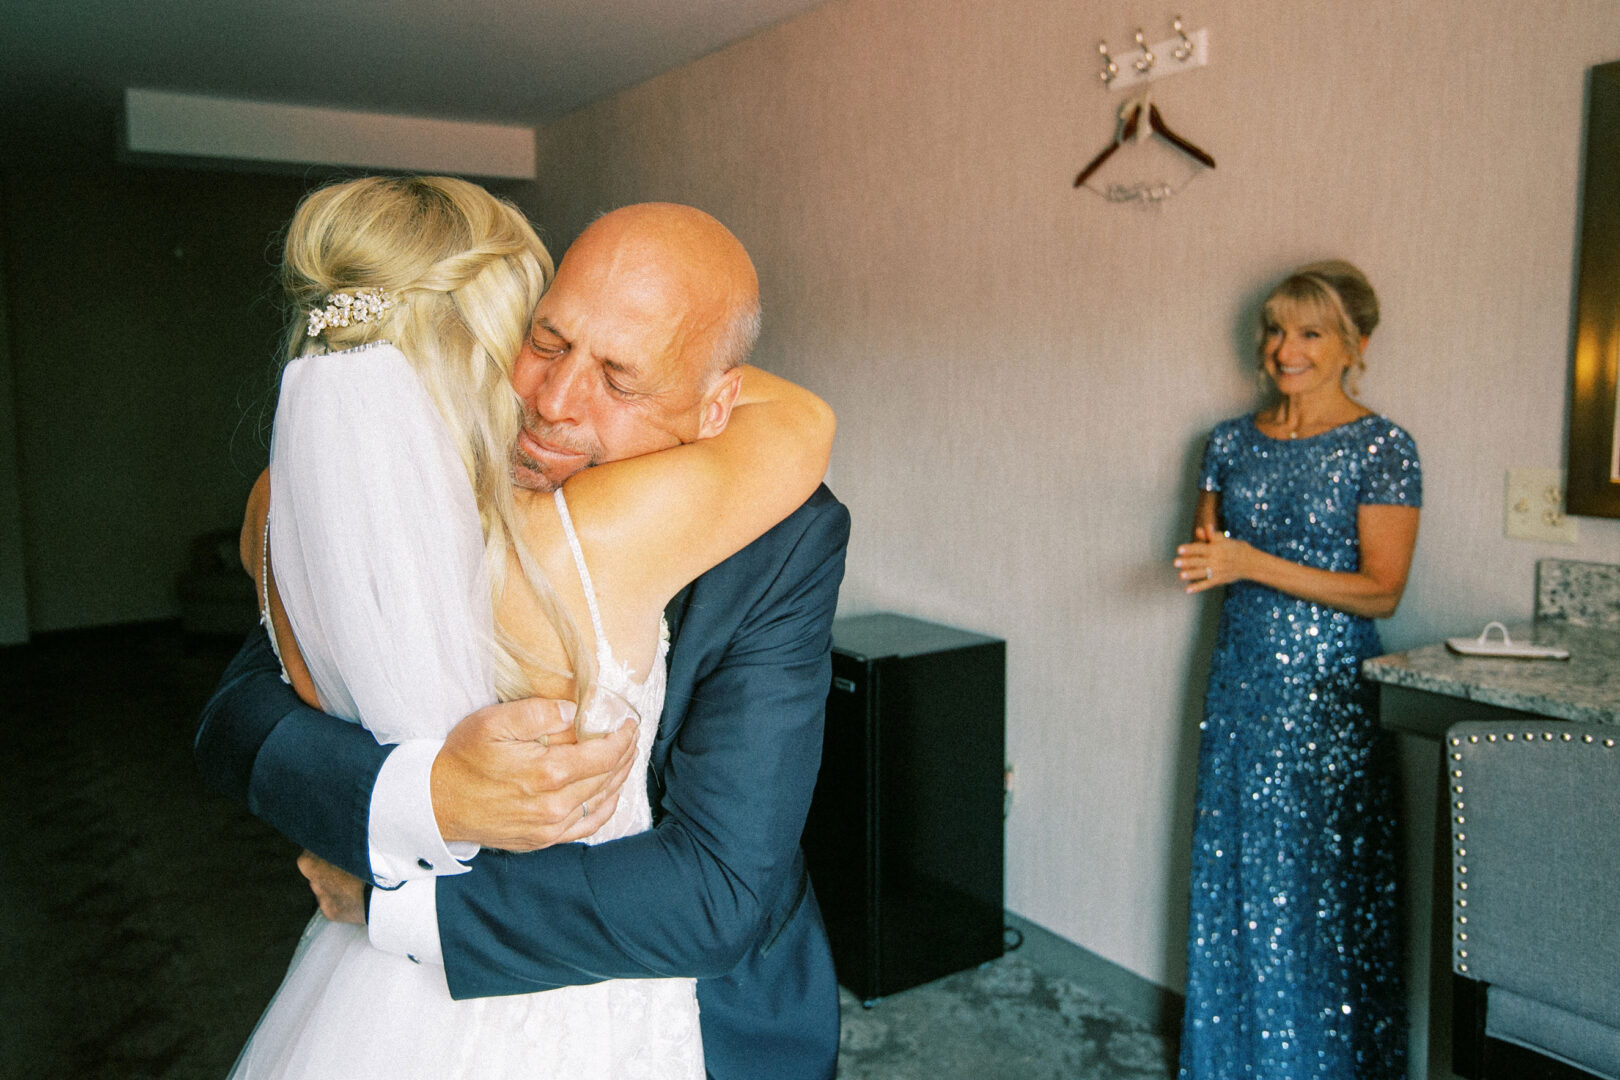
265, 620
584, 574
264, 580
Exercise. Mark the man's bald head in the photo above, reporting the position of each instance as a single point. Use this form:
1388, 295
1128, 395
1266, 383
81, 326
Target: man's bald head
636, 344
689, 262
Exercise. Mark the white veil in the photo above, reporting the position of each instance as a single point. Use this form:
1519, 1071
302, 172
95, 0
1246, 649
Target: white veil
376, 546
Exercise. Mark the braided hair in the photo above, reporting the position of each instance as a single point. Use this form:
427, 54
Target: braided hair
463, 271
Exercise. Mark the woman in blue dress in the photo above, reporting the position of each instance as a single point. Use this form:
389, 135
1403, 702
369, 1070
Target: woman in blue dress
1307, 513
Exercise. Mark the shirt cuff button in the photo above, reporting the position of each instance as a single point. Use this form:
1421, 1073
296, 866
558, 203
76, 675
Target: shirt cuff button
424, 864
412, 958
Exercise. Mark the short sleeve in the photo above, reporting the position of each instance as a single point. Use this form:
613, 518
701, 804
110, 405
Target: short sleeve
1217, 454
1392, 475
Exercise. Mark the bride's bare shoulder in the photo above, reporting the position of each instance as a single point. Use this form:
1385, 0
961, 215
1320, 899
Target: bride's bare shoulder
540, 528
629, 606
250, 545
540, 531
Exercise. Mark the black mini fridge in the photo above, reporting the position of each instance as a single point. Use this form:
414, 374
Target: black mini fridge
904, 838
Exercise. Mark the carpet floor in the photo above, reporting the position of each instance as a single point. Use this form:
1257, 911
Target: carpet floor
145, 921
1006, 1020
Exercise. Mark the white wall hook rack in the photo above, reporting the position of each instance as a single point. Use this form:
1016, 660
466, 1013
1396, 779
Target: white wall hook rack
1170, 57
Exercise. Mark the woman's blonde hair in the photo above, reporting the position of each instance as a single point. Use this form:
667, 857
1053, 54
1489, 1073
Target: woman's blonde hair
1335, 292
463, 271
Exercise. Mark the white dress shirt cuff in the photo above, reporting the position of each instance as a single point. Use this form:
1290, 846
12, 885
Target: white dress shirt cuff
405, 922
402, 832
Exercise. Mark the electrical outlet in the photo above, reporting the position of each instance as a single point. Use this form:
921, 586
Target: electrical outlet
1535, 507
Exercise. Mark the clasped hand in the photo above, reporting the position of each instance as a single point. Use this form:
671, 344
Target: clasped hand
342, 896
512, 776
1212, 559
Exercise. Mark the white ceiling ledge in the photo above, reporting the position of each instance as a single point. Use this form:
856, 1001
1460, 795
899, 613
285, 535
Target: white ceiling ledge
166, 127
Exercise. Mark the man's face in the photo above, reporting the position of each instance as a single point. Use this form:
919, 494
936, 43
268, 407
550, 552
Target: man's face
615, 365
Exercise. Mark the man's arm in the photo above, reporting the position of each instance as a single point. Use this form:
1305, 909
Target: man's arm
307, 774
328, 786
713, 878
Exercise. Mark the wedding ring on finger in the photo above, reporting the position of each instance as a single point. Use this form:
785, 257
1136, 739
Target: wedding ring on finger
544, 739
1209, 573
584, 809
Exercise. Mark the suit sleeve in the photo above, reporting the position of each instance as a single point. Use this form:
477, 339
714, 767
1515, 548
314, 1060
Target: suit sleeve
308, 775
710, 881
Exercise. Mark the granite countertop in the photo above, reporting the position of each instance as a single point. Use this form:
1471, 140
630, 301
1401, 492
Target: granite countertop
1586, 687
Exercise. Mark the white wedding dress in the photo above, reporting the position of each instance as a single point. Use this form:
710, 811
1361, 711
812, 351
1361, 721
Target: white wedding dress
378, 560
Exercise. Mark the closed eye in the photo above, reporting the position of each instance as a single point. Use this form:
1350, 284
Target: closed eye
620, 378
545, 340
615, 386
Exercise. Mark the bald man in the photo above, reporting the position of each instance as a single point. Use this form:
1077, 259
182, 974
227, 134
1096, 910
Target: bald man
632, 349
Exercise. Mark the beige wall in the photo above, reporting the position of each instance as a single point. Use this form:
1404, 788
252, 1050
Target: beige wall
1024, 373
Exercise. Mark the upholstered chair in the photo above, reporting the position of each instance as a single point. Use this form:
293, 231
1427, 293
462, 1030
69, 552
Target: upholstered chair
1535, 907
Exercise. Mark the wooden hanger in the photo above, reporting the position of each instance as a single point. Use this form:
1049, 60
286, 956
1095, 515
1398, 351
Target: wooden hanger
1126, 130
1132, 114
1156, 122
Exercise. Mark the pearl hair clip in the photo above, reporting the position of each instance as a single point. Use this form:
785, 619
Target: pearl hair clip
345, 309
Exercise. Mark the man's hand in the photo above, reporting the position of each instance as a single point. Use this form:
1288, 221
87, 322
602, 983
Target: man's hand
342, 895
512, 776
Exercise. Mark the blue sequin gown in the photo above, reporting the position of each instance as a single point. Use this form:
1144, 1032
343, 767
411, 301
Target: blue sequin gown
1293, 955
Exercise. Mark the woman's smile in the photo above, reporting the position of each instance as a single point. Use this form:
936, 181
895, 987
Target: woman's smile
1304, 356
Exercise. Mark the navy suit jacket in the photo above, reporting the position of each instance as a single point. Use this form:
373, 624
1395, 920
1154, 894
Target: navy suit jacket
716, 890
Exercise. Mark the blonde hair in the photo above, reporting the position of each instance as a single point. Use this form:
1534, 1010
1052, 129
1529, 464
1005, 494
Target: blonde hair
1334, 291
464, 270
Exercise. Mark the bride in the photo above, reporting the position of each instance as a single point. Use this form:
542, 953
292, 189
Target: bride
406, 583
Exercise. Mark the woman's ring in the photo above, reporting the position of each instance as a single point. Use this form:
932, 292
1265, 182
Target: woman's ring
584, 809
544, 740
1209, 573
